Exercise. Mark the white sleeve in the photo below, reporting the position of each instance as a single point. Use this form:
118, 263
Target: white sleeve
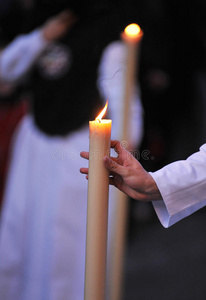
182, 185
19, 56
111, 85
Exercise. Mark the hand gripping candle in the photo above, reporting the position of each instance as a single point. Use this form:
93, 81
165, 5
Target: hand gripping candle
97, 208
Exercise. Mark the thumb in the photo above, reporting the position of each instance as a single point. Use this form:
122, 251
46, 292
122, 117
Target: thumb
112, 166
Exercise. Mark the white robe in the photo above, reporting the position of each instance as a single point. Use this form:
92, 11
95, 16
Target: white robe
44, 217
43, 222
182, 185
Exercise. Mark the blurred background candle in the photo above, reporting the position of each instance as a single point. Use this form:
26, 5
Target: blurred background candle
97, 208
131, 36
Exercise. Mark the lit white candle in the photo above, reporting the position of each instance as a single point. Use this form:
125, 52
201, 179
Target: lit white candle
97, 209
132, 36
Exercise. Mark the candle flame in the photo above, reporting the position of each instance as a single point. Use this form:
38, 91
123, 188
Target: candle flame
132, 33
132, 30
99, 117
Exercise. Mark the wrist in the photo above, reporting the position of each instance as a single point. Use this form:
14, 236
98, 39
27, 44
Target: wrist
152, 191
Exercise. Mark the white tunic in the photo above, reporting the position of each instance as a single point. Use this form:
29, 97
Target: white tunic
182, 185
43, 222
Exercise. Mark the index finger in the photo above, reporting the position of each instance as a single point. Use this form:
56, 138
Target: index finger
84, 154
118, 146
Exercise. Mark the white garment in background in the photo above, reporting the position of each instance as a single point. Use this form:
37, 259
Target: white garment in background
43, 222
20, 55
17, 59
182, 185
111, 84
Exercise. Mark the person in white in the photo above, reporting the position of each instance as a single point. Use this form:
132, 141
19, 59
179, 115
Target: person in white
43, 221
176, 191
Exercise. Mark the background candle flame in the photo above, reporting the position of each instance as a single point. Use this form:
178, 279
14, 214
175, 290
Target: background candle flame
99, 117
132, 33
132, 30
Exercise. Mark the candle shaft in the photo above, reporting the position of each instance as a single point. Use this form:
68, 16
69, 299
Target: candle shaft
129, 87
121, 212
97, 211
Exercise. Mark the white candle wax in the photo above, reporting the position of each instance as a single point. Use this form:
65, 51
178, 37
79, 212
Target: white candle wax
97, 210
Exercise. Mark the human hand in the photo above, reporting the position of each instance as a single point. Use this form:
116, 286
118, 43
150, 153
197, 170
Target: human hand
127, 174
57, 26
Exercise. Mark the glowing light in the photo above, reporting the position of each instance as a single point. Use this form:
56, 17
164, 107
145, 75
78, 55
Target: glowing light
132, 30
99, 117
132, 33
